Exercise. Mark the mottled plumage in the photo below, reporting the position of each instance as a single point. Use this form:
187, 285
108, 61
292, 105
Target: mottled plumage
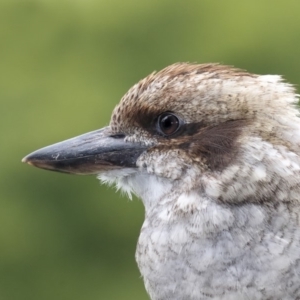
221, 191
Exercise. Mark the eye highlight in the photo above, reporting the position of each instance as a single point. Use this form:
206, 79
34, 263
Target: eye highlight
168, 123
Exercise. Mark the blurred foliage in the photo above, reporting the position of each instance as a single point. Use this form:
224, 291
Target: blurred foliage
64, 66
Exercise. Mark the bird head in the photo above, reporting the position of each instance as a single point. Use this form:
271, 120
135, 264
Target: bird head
226, 133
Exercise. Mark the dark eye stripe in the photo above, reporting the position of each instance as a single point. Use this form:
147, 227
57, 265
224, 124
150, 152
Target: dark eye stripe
148, 120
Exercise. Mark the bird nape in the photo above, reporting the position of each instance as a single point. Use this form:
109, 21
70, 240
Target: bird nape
214, 154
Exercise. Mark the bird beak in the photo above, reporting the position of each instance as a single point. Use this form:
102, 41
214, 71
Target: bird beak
89, 153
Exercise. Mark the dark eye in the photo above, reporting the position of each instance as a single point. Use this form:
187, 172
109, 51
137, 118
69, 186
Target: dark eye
168, 123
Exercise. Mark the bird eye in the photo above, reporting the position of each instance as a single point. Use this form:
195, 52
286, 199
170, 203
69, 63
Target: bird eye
168, 123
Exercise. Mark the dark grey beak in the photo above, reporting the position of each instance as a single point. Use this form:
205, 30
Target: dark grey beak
89, 153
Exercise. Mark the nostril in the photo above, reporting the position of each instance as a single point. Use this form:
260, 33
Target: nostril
118, 136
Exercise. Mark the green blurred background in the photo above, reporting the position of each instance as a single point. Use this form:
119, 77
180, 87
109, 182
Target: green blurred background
64, 65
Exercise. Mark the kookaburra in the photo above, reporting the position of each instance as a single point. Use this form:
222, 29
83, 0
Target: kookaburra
214, 154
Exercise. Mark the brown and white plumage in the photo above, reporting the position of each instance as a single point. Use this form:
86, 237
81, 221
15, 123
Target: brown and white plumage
214, 153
